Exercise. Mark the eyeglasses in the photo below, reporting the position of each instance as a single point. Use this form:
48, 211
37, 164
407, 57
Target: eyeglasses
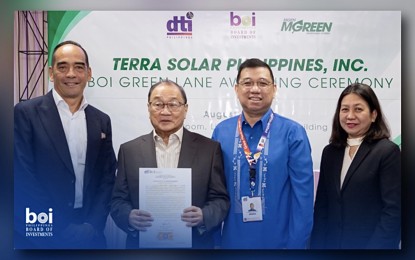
250, 84
173, 106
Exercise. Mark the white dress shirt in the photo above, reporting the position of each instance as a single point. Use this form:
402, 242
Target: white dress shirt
74, 126
168, 155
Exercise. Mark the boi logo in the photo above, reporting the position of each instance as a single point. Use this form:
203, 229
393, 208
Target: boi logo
245, 21
42, 217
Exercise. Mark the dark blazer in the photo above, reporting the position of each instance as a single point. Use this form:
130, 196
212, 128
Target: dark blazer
366, 212
209, 193
44, 175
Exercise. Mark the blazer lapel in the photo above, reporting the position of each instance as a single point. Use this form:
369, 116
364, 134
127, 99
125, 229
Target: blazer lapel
94, 135
49, 116
363, 150
337, 162
188, 150
148, 151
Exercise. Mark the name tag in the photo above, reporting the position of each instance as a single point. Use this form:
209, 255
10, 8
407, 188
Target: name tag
251, 209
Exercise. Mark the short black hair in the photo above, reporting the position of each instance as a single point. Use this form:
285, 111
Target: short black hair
73, 43
254, 63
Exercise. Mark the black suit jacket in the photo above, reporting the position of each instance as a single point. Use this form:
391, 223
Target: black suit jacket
209, 193
44, 175
366, 212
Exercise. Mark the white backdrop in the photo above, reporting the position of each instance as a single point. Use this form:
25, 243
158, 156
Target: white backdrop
129, 51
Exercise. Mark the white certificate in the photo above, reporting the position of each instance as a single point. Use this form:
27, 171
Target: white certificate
165, 192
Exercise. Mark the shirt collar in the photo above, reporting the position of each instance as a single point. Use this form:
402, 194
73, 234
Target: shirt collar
178, 133
59, 100
264, 118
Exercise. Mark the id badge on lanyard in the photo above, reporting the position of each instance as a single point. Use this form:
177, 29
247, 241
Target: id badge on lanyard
252, 206
251, 209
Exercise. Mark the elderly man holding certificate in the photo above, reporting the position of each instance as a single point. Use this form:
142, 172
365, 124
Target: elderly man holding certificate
170, 190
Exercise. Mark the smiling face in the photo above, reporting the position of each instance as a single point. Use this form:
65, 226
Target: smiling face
355, 115
256, 99
69, 72
165, 121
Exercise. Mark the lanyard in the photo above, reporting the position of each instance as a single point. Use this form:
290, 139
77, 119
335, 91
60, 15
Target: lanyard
252, 160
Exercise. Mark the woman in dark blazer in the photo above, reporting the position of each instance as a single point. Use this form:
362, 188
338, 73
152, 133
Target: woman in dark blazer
358, 202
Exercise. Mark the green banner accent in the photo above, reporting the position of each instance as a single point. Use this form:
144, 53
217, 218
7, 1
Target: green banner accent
60, 23
398, 140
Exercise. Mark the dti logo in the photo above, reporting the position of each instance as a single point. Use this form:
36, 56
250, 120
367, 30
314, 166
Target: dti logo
42, 217
237, 20
180, 25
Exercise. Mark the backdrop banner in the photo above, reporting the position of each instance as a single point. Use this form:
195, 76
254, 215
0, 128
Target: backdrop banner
314, 55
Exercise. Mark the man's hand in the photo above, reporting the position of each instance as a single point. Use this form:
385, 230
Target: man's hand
193, 216
140, 219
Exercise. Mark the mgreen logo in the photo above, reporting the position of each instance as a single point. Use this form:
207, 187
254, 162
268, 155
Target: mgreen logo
291, 25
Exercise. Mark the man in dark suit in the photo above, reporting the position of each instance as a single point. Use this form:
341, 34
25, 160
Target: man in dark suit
170, 145
64, 162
